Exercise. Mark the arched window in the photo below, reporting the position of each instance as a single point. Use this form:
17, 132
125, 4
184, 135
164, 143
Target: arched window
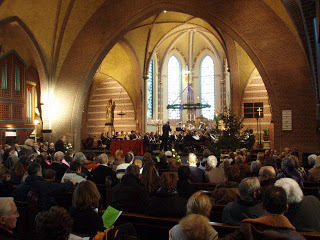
207, 86
174, 86
150, 90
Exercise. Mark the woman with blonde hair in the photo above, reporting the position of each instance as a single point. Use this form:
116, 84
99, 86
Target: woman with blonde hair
194, 227
199, 203
84, 210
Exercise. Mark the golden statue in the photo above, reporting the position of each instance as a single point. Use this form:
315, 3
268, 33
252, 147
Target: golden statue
110, 112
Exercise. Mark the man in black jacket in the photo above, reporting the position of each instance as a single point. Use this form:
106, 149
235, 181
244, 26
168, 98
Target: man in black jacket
165, 135
46, 190
59, 145
130, 195
248, 204
103, 171
58, 166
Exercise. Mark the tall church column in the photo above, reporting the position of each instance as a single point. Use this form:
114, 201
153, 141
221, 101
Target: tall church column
145, 103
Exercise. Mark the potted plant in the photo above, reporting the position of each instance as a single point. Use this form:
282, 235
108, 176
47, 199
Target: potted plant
266, 134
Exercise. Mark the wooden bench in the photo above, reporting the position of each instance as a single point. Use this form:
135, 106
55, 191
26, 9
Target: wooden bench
149, 227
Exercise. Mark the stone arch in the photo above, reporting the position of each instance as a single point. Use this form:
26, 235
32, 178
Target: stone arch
274, 61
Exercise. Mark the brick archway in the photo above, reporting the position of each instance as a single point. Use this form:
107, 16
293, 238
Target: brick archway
253, 24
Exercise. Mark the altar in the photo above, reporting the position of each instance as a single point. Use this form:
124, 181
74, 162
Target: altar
135, 146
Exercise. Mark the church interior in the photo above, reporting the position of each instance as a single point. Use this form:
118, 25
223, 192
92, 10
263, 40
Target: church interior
191, 63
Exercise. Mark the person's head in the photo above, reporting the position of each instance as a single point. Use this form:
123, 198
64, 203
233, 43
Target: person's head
199, 203
79, 157
212, 162
163, 158
18, 168
8, 213
274, 200
260, 156
192, 159
255, 167
29, 142
174, 166
58, 157
312, 160
239, 159
75, 167
292, 189
129, 157
63, 138
147, 157
168, 180
119, 157
55, 224
206, 153
232, 173
34, 169
184, 173
103, 158
50, 174
86, 195
249, 189
196, 227
134, 170
289, 163
138, 162
266, 173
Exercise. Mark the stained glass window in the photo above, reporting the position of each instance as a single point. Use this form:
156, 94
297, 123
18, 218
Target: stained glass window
150, 90
207, 86
17, 82
174, 86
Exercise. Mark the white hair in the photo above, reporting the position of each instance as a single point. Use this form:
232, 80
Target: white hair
212, 161
312, 159
292, 189
79, 157
255, 166
192, 159
247, 187
5, 205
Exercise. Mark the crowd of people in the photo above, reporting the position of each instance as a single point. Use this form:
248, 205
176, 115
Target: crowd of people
262, 194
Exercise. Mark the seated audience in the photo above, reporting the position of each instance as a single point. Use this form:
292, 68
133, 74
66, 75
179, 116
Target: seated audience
174, 166
150, 177
50, 175
166, 202
248, 204
121, 169
267, 177
244, 168
6, 187
254, 168
103, 171
197, 174
17, 173
46, 190
273, 225
84, 210
202, 164
195, 227
130, 195
213, 173
54, 224
81, 158
162, 164
198, 203
118, 159
288, 170
8, 218
58, 166
184, 187
74, 172
304, 211
314, 172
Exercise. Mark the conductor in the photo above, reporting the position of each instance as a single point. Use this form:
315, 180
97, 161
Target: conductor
165, 135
